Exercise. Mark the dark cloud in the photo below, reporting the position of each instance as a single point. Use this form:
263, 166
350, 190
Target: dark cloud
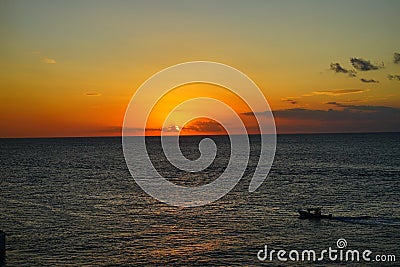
204, 126
340, 92
345, 118
253, 114
290, 100
369, 80
339, 69
331, 103
396, 58
344, 101
394, 77
92, 94
363, 107
362, 64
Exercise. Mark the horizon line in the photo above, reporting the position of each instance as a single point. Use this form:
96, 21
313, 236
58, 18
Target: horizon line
195, 135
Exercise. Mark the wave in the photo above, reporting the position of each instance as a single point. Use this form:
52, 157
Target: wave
368, 220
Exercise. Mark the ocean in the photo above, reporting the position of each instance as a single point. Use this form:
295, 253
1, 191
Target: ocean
73, 202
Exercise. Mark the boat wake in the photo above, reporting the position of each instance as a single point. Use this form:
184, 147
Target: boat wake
368, 220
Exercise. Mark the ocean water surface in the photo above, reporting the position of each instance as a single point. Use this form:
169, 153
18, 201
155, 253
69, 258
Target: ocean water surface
73, 202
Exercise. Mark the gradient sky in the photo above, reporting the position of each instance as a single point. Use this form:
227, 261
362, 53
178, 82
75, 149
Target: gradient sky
69, 68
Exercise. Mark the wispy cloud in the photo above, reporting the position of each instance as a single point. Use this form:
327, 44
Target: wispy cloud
369, 80
48, 60
290, 100
363, 64
345, 101
92, 94
394, 77
340, 92
396, 58
366, 108
43, 58
262, 113
339, 69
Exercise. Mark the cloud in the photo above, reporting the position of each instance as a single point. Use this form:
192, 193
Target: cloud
253, 114
368, 109
339, 69
92, 94
345, 118
170, 129
204, 125
43, 58
340, 92
345, 101
331, 103
48, 60
147, 130
394, 77
290, 100
369, 80
347, 113
362, 64
199, 126
396, 58
294, 100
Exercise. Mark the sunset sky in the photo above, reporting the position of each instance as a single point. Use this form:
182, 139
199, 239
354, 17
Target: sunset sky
70, 68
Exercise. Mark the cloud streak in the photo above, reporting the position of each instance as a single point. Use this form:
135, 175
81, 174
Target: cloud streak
43, 58
92, 94
339, 92
290, 100
48, 60
369, 80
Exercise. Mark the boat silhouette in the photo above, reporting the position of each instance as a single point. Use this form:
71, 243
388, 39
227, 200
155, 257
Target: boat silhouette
313, 213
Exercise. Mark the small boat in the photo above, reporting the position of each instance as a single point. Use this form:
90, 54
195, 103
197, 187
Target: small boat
313, 213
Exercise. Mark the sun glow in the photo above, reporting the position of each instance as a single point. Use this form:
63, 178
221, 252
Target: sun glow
165, 109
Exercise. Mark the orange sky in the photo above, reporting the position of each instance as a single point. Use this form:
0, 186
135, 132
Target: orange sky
182, 122
71, 68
